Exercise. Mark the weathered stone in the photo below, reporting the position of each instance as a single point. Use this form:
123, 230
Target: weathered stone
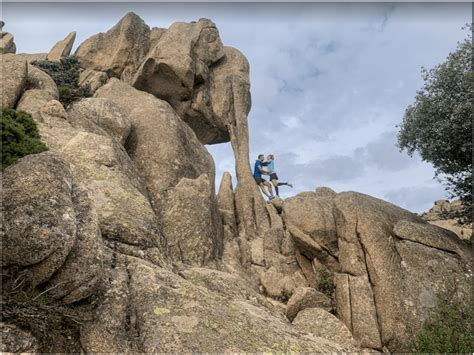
306, 297
38, 79
32, 101
230, 97
173, 315
62, 48
323, 324
176, 69
15, 340
119, 51
92, 79
102, 166
81, 274
162, 146
191, 222
92, 112
7, 44
13, 76
40, 223
299, 211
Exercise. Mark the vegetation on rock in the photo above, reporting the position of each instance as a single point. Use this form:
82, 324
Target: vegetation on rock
439, 124
20, 136
325, 283
65, 74
448, 328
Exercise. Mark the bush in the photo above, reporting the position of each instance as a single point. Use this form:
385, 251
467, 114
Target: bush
325, 283
448, 327
20, 136
66, 76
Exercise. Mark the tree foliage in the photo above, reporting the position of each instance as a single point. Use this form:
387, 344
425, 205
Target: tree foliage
66, 76
439, 124
20, 136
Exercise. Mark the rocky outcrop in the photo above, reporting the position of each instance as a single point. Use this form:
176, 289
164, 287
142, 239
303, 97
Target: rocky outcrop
162, 146
382, 253
92, 113
192, 223
321, 323
121, 215
7, 44
43, 227
447, 215
177, 70
13, 76
92, 79
62, 48
119, 51
306, 297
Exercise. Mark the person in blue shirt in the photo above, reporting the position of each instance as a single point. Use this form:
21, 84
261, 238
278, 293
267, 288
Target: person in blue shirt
258, 170
270, 169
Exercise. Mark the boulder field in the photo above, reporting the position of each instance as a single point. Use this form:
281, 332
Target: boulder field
115, 240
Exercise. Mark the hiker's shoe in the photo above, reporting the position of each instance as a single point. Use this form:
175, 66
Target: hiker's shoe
271, 198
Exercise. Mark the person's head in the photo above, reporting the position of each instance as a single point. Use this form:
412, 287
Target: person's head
270, 157
261, 157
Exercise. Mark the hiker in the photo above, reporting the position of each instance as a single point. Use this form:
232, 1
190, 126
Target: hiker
270, 169
257, 175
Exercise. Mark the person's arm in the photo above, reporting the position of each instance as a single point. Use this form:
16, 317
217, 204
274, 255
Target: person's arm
262, 170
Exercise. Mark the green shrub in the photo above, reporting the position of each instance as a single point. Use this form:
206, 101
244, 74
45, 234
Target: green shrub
66, 76
20, 136
325, 283
448, 327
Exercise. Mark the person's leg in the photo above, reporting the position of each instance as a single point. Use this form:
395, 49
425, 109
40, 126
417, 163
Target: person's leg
264, 190
269, 186
275, 185
284, 183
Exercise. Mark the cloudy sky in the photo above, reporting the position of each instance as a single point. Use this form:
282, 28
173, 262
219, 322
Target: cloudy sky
330, 82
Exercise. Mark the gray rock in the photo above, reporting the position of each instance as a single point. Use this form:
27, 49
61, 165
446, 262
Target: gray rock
62, 48
13, 76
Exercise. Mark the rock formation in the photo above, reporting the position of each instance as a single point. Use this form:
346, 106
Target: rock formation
115, 239
447, 215
7, 44
62, 48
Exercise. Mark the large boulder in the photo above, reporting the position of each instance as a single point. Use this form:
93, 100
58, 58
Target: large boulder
7, 44
119, 51
91, 113
176, 70
52, 231
323, 324
191, 222
383, 288
306, 297
32, 101
62, 48
172, 314
39, 224
13, 76
103, 167
38, 79
314, 234
162, 146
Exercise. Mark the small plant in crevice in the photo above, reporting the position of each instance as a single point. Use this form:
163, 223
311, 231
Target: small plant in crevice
324, 282
284, 295
20, 136
448, 327
65, 74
